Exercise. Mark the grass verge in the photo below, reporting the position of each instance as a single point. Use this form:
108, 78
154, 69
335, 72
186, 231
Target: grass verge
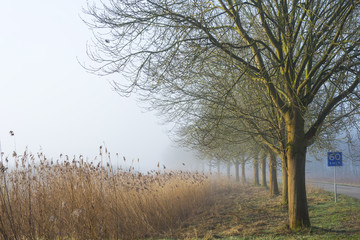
247, 212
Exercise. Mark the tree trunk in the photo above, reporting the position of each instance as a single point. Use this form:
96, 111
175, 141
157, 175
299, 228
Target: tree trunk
263, 168
236, 166
243, 178
228, 166
284, 180
274, 189
296, 156
256, 170
218, 167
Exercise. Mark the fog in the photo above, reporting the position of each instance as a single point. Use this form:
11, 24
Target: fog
54, 105
317, 163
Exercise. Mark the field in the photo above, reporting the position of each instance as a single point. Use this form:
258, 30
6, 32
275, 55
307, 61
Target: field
79, 199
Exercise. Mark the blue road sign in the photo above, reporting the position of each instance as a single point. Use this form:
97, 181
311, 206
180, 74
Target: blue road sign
334, 159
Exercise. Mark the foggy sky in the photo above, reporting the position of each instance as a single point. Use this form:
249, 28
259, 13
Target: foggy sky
49, 100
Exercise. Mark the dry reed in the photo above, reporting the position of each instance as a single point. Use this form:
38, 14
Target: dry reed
78, 199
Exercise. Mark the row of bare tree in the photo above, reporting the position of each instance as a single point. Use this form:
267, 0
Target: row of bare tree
238, 76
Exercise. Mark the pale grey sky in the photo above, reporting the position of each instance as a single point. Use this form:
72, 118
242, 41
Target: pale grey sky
49, 100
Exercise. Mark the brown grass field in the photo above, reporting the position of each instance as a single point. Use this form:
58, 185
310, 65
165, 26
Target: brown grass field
80, 199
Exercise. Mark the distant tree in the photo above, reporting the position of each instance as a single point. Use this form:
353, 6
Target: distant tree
263, 168
255, 158
274, 189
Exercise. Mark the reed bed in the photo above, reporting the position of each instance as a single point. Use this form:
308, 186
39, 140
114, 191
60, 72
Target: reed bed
79, 199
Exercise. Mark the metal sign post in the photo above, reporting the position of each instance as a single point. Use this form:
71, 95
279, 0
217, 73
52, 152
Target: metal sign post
335, 184
334, 160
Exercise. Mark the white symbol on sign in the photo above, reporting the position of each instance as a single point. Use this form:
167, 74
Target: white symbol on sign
335, 157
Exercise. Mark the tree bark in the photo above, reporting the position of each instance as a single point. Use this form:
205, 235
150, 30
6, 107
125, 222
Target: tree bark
256, 170
274, 189
296, 156
218, 167
243, 177
284, 180
236, 166
263, 168
228, 166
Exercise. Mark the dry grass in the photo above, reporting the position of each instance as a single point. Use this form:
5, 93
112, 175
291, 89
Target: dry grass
77, 199
249, 212
238, 210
